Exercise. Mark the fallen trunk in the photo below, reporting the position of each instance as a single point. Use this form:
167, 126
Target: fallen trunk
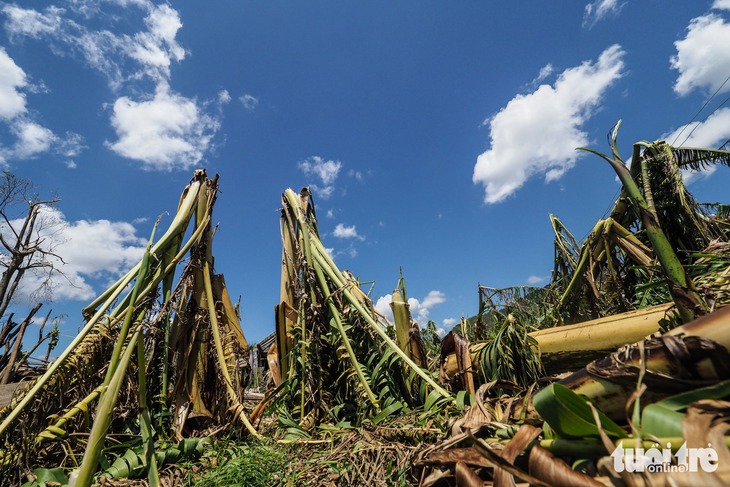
690, 356
570, 347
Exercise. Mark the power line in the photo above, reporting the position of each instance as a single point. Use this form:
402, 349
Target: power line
700, 111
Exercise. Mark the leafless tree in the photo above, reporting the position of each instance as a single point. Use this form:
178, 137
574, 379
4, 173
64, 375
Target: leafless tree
27, 242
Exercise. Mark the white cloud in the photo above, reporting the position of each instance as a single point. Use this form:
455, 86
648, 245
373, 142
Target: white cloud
156, 48
420, 309
151, 51
711, 133
326, 171
358, 175
224, 97
341, 231
532, 280
32, 23
31, 138
702, 58
449, 322
91, 249
537, 133
72, 145
599, 10
544, 73
249, 102
165, 132
721, 5
12, 79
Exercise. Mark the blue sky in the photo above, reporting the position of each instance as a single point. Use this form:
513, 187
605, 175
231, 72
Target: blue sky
437, 136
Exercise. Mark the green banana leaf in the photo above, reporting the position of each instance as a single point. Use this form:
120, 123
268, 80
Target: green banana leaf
664, 418
569, 415
44, 476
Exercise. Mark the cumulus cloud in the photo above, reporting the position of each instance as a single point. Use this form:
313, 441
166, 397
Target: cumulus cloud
30, 137
162, 129
324, 171
165, 132
342, 231
420, 309
713, 132
88, 249
449, 322
12, 80
599, 10
721, 5
537, 133
702, 58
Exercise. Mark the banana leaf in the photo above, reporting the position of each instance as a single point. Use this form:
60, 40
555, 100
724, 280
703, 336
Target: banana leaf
569, 415
664, 418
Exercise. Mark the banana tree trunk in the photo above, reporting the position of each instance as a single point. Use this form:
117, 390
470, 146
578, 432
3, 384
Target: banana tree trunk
690, 356
570, 347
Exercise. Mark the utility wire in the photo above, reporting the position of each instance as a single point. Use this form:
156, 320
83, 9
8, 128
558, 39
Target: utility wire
698, 113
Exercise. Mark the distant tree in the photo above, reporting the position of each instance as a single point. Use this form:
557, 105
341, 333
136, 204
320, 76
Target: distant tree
27, 238
27, 242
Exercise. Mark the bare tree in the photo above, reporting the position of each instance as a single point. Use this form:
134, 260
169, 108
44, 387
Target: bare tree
27, 242
26, 236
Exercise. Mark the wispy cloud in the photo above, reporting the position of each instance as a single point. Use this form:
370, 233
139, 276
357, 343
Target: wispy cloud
323, 171
544, 74
599, 10
249, 102
702, 58
533, 280
537, 133
118, 56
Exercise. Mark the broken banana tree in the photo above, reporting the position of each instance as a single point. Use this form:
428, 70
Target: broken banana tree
116, 376
568, 347
688, 357
339, 362
668, 226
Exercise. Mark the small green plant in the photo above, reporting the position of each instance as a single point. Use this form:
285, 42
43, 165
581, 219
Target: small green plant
241, 464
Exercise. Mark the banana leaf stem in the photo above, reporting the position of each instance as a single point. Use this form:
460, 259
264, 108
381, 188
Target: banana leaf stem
83, 476
329, 267
213, 315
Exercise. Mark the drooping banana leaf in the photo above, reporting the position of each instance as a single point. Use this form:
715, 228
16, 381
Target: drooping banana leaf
570, 416
664, 418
